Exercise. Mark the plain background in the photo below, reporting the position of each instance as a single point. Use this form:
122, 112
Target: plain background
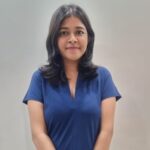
122, 29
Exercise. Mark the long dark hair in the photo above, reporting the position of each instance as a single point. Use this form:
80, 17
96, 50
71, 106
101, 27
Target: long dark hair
54, 70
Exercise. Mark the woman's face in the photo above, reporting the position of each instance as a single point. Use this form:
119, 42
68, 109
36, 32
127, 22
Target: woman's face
73, 39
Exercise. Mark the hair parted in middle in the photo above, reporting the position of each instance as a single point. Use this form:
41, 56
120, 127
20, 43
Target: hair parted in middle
54, 70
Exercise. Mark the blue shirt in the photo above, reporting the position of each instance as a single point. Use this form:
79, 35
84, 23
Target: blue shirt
73, 123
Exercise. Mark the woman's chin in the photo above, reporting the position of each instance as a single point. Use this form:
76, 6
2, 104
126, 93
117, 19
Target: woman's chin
72, 59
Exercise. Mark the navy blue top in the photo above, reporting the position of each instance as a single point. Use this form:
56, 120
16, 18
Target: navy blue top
73, 123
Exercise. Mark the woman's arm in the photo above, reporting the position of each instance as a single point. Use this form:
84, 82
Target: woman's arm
108, 111
38, 127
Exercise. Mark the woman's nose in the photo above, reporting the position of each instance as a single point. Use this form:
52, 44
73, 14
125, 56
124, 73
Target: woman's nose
72, 38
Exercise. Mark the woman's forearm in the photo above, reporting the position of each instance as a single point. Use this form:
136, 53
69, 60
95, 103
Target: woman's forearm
43, 142
103, 141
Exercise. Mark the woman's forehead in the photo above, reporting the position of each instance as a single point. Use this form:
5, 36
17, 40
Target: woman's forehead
72, 22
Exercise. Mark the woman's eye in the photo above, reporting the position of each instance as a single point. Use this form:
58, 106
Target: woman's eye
63, 33
79, 32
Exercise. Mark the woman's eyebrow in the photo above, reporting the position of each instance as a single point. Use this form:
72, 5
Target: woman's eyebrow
77, 27
80, 27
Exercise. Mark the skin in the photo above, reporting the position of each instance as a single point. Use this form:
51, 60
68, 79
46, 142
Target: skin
73, 40
38, 126
108, 107
72, 47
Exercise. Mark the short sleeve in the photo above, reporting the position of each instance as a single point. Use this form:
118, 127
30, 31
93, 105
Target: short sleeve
109, 88
34, 91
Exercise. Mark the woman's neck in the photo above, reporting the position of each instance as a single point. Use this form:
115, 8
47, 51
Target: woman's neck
71, 69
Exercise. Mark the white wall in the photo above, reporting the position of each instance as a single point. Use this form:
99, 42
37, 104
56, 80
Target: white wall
122, 29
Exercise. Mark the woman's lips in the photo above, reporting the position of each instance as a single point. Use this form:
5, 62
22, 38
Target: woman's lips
72, 48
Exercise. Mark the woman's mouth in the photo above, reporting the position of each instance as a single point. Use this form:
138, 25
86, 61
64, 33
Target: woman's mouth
72, 48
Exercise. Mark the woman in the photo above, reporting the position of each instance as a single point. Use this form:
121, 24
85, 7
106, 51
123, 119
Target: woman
71, 101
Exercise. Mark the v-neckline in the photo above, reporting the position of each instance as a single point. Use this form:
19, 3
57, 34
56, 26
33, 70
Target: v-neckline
73, 97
